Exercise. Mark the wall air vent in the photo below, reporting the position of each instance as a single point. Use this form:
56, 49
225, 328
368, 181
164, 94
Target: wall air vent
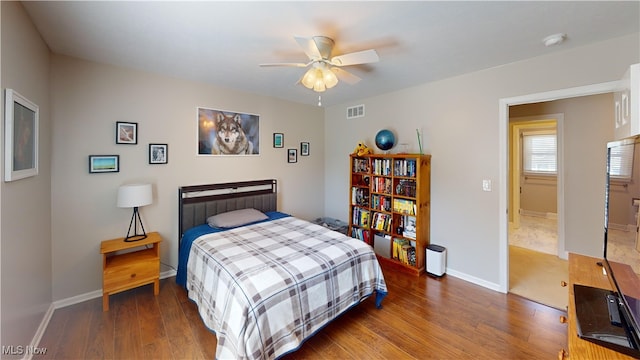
355, 112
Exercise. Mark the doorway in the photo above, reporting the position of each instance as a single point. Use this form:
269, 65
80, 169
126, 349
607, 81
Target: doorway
504, 197
536, 166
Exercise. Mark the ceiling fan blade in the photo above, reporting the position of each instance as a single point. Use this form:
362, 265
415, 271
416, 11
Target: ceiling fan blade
301, 65
309, 47
355, 58
345, 76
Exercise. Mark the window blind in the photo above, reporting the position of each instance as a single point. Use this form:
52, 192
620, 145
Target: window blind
621, 162
539, 153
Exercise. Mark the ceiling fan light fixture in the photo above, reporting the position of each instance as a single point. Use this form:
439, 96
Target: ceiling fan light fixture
329, 77
319, 78
309, 79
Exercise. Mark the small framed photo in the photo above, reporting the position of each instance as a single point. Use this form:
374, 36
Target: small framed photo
104, 163
126, 133
21, 137
158, 153
304, 149
278, 140
292, 155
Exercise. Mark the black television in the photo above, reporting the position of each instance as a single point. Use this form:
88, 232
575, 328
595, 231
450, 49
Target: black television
611, 318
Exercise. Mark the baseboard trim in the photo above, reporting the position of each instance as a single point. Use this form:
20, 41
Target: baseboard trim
541, 214
41, 329
98, 293
474, 280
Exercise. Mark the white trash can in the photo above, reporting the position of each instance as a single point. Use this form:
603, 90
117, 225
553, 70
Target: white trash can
436, 259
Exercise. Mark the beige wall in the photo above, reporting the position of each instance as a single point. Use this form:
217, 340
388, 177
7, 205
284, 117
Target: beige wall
25, 236
88, 98
460, 121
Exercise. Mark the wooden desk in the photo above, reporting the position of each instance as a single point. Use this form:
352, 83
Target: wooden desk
126, 271
585, 270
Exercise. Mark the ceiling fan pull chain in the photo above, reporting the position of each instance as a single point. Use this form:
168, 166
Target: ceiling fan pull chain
319, 100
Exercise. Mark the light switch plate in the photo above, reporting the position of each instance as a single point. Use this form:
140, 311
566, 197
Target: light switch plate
486, 185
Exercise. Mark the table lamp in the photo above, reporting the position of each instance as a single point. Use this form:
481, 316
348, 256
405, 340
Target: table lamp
135, 195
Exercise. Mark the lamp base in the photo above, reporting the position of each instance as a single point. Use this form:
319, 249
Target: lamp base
135, 219
133, 238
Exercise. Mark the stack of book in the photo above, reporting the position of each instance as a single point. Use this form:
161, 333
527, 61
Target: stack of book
381, 221
404, 252
359, 196
404, 206
360, 217
381, 202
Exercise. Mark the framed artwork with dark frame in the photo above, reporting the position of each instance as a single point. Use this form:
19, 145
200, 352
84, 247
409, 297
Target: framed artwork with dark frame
21, 137
158, 153
278, 140
222, 132
126, 133
292, 155
304, 149
104, 163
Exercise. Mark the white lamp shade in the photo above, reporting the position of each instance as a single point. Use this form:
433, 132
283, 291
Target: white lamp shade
133, 195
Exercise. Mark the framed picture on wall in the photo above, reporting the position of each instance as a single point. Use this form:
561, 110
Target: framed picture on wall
278, 140
304, 149
222, 133
292, 155
126, 133
104, 163
21, 137
158, 153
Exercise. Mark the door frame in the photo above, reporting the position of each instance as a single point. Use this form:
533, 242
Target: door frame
503, 124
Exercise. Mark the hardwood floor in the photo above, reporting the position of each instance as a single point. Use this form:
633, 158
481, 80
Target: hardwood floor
423, 318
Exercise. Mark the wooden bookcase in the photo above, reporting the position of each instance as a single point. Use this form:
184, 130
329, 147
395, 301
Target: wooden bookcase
389, 206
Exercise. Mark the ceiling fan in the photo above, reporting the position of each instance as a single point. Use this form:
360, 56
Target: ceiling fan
325, 70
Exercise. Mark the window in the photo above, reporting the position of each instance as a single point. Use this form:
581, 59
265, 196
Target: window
621, 162
539, 151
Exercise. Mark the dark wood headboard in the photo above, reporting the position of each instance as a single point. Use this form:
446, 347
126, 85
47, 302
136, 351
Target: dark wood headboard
198, 202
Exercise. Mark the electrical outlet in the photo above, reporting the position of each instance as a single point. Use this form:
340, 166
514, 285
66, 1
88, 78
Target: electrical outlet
486, 185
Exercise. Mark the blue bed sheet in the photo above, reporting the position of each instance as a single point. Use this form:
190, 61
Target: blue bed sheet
195, 232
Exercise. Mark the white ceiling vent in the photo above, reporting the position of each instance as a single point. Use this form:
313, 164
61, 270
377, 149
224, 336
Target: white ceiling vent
355, 112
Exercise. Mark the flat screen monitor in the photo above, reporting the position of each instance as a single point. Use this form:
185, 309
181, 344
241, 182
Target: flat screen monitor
612, 317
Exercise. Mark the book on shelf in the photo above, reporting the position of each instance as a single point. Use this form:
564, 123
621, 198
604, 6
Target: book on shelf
409, 226
404, 251
359, 196
382, 185
381, 222
382, 167
406, 187
360, 165
404, 206
405, 167
361, 234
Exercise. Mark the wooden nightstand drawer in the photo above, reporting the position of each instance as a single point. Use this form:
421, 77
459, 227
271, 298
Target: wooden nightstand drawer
124, 271
128, 270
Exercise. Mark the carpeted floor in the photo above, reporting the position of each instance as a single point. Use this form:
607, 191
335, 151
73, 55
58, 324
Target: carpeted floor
537, 276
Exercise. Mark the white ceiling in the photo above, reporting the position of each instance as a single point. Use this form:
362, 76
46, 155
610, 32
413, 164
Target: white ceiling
222, 43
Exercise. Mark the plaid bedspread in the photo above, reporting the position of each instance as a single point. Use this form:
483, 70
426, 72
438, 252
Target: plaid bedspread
266, 287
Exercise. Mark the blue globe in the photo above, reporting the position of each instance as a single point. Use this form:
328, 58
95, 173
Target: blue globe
385, 139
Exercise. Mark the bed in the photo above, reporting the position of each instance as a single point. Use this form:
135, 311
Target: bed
265, 281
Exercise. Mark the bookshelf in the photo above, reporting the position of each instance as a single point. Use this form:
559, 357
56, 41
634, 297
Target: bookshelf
389, 206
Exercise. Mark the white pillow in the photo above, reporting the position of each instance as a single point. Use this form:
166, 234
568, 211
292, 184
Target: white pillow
236, 218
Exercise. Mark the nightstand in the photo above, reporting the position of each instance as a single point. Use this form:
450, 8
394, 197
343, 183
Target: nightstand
127, 270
